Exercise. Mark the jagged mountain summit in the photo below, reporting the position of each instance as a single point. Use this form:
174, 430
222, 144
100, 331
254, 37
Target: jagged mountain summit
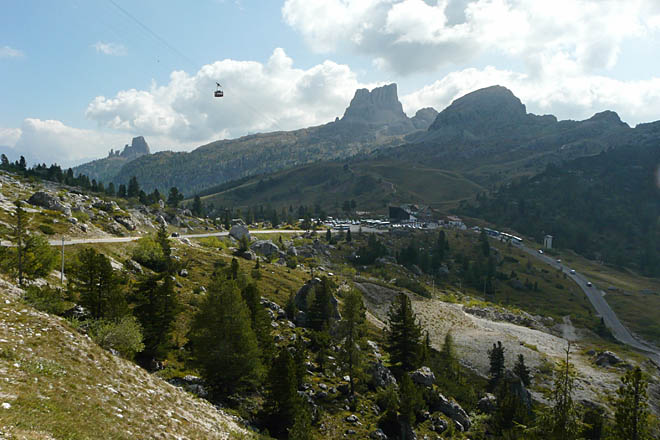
372, 121
138, 147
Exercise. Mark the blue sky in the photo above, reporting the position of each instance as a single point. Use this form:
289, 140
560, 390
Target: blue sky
78, 77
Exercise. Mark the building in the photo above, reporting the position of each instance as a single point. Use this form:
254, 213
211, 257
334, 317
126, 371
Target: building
547, 242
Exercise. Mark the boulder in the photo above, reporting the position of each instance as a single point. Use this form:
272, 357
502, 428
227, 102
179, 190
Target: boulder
238, 231
452, 410
380, 375
133, 266
48, 201
192, 384
378, 435
438, 425
249, 255
487, 404
183, 273
300, 300
423, 376
607, 359
126, 222
292, 251
106, 206
161, 220
266, 248
517, 388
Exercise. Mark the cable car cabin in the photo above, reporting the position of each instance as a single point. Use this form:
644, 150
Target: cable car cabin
218, 94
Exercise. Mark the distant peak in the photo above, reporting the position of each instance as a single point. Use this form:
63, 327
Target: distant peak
607, 116
378, 106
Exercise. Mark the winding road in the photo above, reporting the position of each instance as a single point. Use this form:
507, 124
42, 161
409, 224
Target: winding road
597, 298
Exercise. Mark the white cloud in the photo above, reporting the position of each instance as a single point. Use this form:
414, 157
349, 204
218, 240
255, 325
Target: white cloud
110, 48
10, 52
408, 36
52, 141
9, 136
258, 97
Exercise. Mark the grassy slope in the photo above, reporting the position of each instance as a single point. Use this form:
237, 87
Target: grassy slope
61, 385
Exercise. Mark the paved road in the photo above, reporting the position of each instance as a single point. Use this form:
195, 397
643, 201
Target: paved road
129, 239
597, 298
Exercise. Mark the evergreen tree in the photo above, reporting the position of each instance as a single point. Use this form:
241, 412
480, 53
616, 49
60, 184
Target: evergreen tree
121, 192
282, 400
425, 353
163, 240
260, 322
320, 312
110, 190
448, 359
321, 345
197, 207
93, 280
302, 424
496, 358
561, 421
133, 187
224, 342
348, 236
403, 334
410, 400
521, 370
4, 162
352, 332
142, 197
483, 243
22, 164
156, 309
174, 197
328, 236
631, 418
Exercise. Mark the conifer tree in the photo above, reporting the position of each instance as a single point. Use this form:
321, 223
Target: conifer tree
448, 359
349, 238
94, 281
496, 358
174, 197
282, 400
561, 421
260, 322
410, 400
352, 331
133, 187
121, 192
403, 334
320, 311
156, 309
197, 207
302, 424
223, 341
521, 370
328, 236
631, 418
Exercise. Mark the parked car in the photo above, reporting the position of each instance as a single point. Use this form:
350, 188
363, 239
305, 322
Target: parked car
540, 251
558, 260
589, 284
572, 271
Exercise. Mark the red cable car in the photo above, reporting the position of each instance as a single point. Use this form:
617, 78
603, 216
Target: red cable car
218, 91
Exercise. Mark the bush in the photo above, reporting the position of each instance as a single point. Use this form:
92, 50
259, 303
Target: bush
124, 335
46, 229
46, 299
148, 253
81, 216
413, 286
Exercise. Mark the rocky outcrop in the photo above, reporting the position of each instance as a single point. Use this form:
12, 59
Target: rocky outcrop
239, 231
607, 359
517, 388
302, 303
48, 201
519, 318
487, 404
266, 248
380, 106
125, 221
380, 376
424, 118
452, 410
138, 147
423, 376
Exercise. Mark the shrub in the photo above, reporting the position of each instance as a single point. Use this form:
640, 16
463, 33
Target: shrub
124, 335
46, 299
46, 229
148, 253
413, 286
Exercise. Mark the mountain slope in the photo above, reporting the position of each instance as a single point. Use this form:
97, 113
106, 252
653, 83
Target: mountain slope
372, 121
59, 384
107, 168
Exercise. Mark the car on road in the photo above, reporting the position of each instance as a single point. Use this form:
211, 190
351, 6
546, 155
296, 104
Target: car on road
175, 234
572, 271
558, 260
540, 251
589, 284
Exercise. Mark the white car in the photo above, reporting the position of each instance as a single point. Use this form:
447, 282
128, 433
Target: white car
589, 284
540, 251
572, 271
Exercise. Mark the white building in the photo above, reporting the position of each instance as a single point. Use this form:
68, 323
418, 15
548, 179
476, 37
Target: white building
547, 242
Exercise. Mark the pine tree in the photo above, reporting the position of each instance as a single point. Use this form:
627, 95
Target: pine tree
448, 359
348, 236
403, 334
110, 190
352, 332
223, 341
282, 400
302, 424
410, 400
631, 418
121, 192
521, 370
562, 421
320, 311
156, 309
328, 236
496, 357
133, 187
93, 280
174, 197
260, 322
197, 207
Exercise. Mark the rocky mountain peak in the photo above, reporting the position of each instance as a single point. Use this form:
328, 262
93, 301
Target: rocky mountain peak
608, 117
488, 107
380, 106
138, 147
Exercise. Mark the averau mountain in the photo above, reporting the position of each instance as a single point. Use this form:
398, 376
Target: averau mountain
482, 140
373, 120
105, 169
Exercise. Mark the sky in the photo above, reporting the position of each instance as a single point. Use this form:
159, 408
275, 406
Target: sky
81, 77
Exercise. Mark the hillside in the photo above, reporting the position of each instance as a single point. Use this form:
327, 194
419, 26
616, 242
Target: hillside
105, 169
483, 140
373, 120
604, 207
